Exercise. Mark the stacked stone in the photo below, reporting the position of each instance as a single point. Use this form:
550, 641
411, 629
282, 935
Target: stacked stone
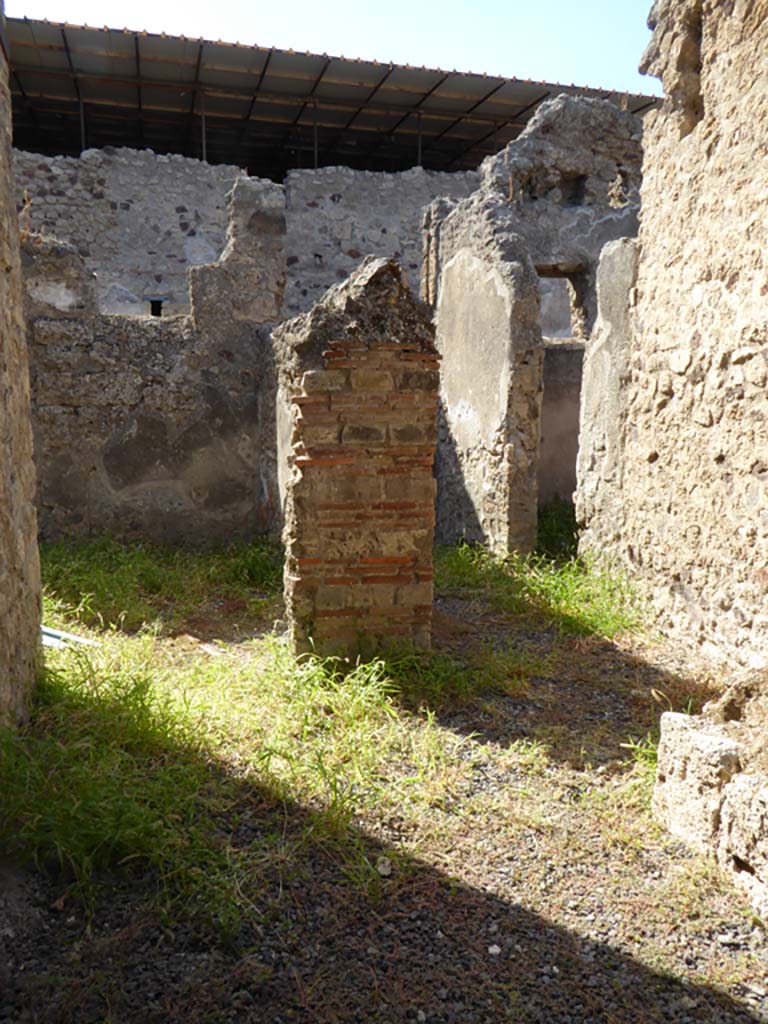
337, 215
361, 374
159, 427
19, 566
674, 473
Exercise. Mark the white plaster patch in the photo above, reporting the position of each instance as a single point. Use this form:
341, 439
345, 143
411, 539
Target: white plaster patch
198, 250
53, 293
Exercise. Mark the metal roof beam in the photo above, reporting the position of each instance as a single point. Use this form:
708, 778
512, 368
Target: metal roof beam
471, 110
413, 110
498, 126
195, 87
369, 97
76, 84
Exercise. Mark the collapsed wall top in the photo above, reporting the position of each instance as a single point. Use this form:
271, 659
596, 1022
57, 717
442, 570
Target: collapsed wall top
571, 181
569, 136
375, 302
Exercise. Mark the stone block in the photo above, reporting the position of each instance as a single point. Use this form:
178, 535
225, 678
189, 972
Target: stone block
696, 761
742, 842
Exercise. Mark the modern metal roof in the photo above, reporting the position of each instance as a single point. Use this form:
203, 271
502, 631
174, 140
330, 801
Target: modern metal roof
262, 108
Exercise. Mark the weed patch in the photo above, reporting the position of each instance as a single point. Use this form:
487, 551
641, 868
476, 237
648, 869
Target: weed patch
131, 586
576, 596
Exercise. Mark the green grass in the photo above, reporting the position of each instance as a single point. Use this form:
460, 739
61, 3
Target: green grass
557, 533
112, 773
575, 595
149, 755
104, 583
144, 758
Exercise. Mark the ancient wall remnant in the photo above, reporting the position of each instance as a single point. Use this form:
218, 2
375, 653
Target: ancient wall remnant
138, 220
360, 372
571, 181
603, 411
488, 334
561, 190
679, 493
160, 427
712, 783
19, 567
337, 215
141, 221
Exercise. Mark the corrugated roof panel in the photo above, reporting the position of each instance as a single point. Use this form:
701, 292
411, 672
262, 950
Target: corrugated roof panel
117, 94
60, 85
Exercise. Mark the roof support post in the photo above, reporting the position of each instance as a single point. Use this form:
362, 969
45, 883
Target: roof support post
202, 128
418, 146
82, 124
314, 139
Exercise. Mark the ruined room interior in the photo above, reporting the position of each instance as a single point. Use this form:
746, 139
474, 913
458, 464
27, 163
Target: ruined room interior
383, 534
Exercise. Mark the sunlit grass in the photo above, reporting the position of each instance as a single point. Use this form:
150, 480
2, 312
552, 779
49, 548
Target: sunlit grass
104, 583
575, 596
144, 755
205, 770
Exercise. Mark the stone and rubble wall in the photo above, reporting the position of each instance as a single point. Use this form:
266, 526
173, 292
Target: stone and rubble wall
337, 215
488, 333
19, 566
160, 427
679, 492
566, 186
359, 378
571, 183
603, 410
138, 220
712, 783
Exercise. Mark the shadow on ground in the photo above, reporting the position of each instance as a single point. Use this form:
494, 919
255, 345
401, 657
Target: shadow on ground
583, 697
324, 938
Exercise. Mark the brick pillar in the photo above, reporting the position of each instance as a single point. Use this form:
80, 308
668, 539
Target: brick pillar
359, 373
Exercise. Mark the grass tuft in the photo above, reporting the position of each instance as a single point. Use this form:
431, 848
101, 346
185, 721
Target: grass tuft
575, 595
130, 586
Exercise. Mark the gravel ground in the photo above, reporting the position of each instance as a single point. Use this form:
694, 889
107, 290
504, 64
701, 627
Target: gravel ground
540, 891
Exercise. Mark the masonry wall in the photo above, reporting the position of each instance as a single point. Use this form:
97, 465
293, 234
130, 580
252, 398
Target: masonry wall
337, 215
19, 568
688, 515
138, 220
160, 428
570, 181
488, 333
359, 373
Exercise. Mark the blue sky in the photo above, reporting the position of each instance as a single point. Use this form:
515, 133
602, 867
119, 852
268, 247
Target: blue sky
585, 42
